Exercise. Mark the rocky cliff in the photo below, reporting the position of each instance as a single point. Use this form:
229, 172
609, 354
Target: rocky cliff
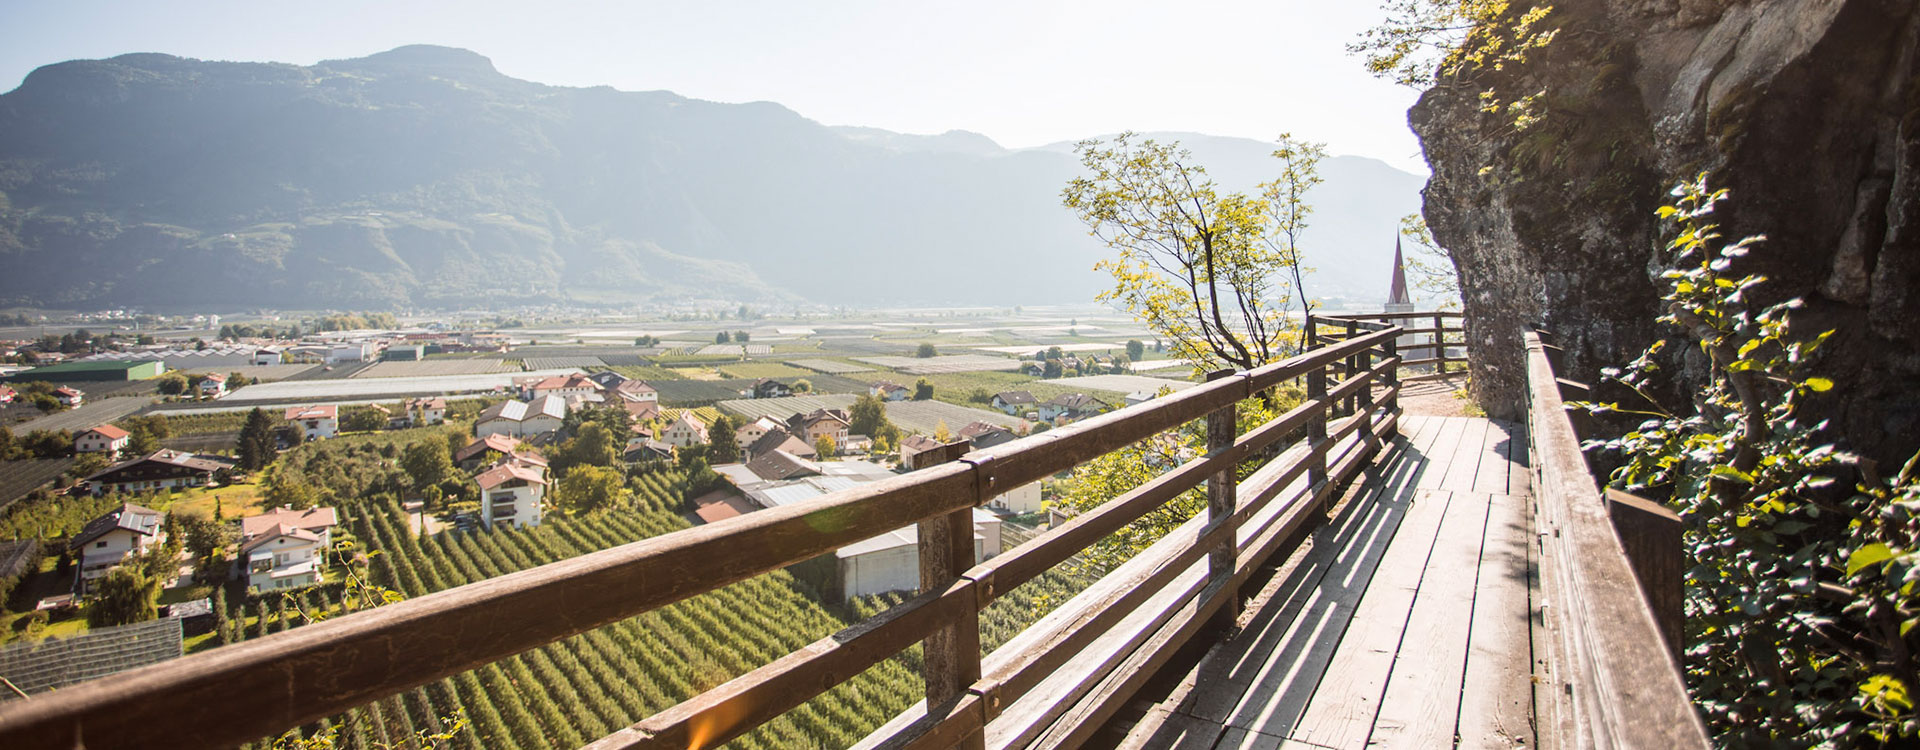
1808, 111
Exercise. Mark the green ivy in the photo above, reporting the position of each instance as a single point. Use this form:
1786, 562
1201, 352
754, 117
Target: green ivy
1800, 593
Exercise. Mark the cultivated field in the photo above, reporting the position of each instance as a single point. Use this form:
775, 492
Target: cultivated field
923, 417
1159, 364
1107, 347
950, 363
272, 372
828, 366
17, 478
555, 363
434, 367
318, 391
87, 414
1124, 383
752, 370
713, 350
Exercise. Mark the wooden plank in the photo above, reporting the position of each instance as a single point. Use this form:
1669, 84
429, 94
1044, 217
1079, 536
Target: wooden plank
1439, 453
1496, 699
1465, 461
1491, 476
1422, 702
1343, 707
1650, 534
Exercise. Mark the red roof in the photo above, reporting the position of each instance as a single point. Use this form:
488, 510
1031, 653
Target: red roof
313, 412
108, 431
505, 472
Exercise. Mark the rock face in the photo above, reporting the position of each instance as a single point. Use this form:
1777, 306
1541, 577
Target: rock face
1808, 111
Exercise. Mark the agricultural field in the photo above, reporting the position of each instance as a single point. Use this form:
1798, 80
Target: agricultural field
735, 350
435, 367
692, 392
647, 372
943, 364
975, 389
574, 691
922, 417
556, 363
756, 370
260, 373
1151, 365
321, 391
89, 413
1116, 347
829, 366
17, 478
1123, 383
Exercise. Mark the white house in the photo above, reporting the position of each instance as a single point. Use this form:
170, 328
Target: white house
105, 541
315, 422
266, 356
1071, 406
106, 439
286, 548
1012, 402
891, 561
427, 411
213, 385
522, 418
889, 391
575, 384
1020, 500
684, 431
511, 492
69, 396
751, 432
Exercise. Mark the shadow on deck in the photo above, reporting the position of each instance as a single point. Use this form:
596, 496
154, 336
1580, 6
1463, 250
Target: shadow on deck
1404, 621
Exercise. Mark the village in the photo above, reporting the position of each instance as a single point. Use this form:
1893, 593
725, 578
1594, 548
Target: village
175, 448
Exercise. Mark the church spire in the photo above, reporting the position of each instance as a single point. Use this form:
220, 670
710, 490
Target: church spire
1397, 298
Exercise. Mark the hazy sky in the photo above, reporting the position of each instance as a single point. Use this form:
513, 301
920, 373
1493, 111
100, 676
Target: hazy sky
1023, 73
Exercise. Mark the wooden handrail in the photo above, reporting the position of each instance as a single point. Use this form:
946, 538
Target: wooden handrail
1611, 679
239, 693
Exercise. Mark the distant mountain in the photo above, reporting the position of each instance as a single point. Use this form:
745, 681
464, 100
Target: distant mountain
424, 177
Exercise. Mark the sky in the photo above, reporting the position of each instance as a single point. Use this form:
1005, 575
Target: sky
1022, 73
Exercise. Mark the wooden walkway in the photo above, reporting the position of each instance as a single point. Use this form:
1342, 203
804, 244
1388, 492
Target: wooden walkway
1404, 622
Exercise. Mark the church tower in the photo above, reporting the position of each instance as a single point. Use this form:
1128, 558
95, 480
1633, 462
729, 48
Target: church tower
1398, 301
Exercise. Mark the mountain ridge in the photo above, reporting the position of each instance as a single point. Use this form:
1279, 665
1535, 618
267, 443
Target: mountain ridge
422, 176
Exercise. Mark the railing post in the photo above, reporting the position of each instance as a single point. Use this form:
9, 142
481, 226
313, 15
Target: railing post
1439, 344
952, 659
1222, 499
1317, 428
1393, 376
1353, 368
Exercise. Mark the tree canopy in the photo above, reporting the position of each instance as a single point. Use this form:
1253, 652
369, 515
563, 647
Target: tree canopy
588, 488
1212, 272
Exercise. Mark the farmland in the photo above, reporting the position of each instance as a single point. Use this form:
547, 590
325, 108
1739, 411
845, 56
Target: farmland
828, 366
754, 370
1124, 383
435, 367
943, 364
923, 417
962, 387
17, 478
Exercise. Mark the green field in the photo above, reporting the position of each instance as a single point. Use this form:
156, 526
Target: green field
959, 387
756, 370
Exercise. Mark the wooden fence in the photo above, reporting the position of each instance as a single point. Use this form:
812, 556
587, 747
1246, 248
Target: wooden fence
1611, 573
1050, 686
1422, 348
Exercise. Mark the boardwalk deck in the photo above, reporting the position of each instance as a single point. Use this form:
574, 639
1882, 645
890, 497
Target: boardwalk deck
1403, 622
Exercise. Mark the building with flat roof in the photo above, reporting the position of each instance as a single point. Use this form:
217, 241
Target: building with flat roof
92, 371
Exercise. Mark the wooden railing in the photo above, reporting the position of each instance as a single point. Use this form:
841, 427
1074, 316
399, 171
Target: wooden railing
1610, 571
1050, 686
1442, 346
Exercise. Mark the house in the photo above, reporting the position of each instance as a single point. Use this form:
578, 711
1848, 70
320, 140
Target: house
266, 356
646, 449
684, 431
511, 492
856, 443
404, 353
986, 434
315, 422
1013, 402
213, 385
778, 439
106, 439
769, 388
286, 548
641, 411
105, 541
1071, 406
913, 445
1033, 368
608, 379
575, 384
69, 396
751, 432
427, 411
891, 561
828, 423
522, 418
889, 391
780, 465
162, 470
1141, 396
485, 450
636, 390
7, 395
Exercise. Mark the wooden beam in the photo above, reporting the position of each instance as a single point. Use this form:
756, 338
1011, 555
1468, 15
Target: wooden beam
1651, 535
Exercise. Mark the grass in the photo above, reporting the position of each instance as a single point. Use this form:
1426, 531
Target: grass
957, 387
235, 501
648, 373
763, 370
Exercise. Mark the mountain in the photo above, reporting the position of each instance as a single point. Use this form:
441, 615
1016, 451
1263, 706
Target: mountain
422, 176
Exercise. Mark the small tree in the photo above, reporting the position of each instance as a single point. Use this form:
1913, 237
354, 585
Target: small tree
426, 463
721, 447
1135, 349
594, 446
171, 384
721, 337
123, 597
802, 385
588, 488
824, 446
923, 390
925, 351
256, 446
